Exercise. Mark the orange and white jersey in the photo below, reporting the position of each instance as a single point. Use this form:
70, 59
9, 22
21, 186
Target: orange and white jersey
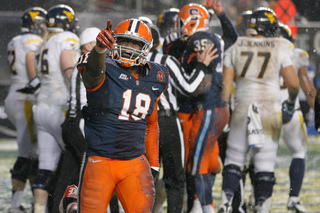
54, 85
257, 63
300, 59
17, 50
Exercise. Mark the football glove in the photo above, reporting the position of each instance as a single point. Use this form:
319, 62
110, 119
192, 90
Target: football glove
287, 111
31, 87
215, 5
105, 39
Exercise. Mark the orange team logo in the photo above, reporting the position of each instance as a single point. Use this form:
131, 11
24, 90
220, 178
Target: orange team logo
69, 15
33, 15
270, 16
160, 76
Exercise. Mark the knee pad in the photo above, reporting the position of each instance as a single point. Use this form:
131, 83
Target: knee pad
263, 187
231, 177
43, 179
266, 177
21, 169
232, 169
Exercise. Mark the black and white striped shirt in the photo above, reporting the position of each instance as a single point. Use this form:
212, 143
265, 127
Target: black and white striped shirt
179, 81
77, 93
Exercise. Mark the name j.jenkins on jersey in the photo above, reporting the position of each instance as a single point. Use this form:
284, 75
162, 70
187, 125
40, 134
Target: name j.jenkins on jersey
247, 43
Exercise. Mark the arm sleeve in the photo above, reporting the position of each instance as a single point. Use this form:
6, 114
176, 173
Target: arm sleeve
70, 42
229, 32
152, 138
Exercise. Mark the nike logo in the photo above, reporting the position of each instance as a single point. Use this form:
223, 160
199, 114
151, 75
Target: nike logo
94, 161
154, 88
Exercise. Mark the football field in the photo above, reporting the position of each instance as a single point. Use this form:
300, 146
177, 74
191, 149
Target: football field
310, 193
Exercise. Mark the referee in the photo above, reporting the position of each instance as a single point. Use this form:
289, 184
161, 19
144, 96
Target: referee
171, 143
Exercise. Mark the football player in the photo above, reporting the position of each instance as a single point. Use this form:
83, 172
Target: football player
171, 149
166, 24
18, 103
72, 127
55, 62
256, 63
121, 127
243, 22
294, 131
206, 113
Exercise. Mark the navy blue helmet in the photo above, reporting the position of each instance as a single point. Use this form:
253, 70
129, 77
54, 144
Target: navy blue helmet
31, 20
264, 21
243, 22
61, 18
286, 32
167, 21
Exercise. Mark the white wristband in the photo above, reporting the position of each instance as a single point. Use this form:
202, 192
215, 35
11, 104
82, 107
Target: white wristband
155, 168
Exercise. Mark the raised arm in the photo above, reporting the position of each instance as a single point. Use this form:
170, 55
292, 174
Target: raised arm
94, 73
229, 32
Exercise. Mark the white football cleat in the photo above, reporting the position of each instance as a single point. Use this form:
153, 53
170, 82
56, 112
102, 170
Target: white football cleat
295, 205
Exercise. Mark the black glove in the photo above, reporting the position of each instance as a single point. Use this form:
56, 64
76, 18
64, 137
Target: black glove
155, 174
31, 87
287, 111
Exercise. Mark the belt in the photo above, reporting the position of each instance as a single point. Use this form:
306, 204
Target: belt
166, 113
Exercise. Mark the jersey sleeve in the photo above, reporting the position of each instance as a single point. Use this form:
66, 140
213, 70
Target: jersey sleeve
70, 41
303, 58
82, 62
287, 53
31, 43
152, 138
10, 56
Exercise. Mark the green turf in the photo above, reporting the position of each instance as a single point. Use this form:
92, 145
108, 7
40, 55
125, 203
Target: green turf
310, 192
